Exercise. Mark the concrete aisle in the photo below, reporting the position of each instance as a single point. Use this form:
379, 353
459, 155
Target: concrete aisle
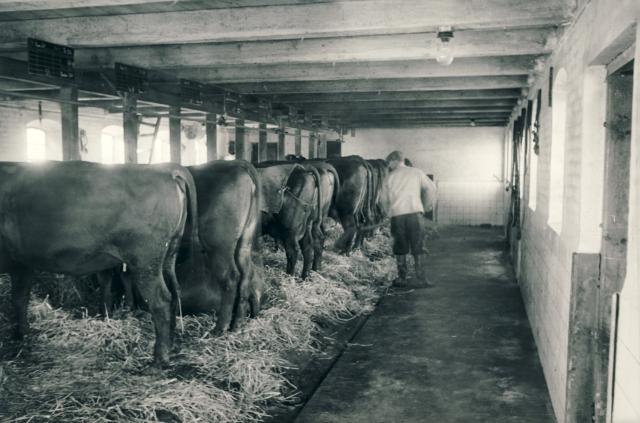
459, 352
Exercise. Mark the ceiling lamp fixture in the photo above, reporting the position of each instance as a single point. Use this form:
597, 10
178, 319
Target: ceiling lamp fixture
472, 122
444, 56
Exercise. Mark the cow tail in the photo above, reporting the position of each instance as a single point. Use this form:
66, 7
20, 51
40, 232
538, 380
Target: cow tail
185, 179
336, 188
256, 200
371, 193
316, 176
361, 208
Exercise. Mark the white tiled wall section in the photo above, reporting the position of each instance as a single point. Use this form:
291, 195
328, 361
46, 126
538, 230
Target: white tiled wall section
470, 203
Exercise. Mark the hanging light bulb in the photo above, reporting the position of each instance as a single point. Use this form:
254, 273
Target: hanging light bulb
444, 55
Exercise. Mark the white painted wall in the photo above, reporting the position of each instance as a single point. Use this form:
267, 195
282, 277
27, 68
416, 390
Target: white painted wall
591, 42
467, 164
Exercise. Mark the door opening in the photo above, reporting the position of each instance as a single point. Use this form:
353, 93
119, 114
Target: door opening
613, 264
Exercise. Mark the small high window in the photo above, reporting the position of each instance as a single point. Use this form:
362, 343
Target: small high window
36, 145
533, 168
112, 145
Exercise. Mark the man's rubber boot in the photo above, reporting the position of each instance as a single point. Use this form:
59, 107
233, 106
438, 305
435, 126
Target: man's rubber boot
420, 261
401, 260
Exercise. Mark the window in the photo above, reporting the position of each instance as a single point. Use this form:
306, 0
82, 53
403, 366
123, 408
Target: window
533, 164
161, 148
112, 149
201, 150
36, 145
558, 133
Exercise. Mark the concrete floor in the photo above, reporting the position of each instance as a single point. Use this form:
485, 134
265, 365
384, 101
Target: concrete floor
459, 352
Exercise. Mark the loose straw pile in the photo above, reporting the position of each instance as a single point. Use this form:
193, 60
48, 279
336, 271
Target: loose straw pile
78, 368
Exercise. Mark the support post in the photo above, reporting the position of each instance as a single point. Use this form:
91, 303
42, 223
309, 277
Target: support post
241, 146
130, 126
70, 128
262, 142
281, 142
322, 146
211, 129
298, 142
313, 145
175, 134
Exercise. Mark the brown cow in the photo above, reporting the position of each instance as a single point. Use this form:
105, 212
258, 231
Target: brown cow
79, 218
224, 279
291, 205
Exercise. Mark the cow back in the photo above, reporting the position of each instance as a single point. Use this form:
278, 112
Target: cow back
81, 217
273, 180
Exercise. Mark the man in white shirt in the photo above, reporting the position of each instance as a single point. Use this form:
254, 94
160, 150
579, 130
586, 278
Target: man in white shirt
408, 194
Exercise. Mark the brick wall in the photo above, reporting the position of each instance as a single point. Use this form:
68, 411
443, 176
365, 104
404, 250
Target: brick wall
467, 164
598, 35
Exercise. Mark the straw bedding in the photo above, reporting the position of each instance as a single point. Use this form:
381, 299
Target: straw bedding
79, 368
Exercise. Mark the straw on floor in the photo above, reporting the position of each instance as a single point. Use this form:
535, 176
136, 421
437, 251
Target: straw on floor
79, 368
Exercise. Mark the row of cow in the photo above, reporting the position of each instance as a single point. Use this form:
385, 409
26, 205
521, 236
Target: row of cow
183, 238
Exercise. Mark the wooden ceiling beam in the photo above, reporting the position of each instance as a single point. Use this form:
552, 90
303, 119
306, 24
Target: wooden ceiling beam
418, 120
317, 20
409, 105
395, 47
398, 125
453, 114
78, 7
377, 96
423, 116
361, 85
511, 65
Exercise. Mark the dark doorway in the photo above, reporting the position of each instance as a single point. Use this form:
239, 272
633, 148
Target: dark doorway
613, 264
334, 149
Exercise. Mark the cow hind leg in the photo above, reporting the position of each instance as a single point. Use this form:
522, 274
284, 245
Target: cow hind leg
228, 297
318, 246
291, 249
359, 240
345, 243
153, 290
306, 245
245, 291
257, 285
105, 281
21, 280
242, 299
169, 276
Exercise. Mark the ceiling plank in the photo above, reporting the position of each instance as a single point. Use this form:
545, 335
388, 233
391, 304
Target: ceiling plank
426, 113
341, 97
429, 119
50, 5
322, 50
512, 65
286, 22
409, 105
426, 116
397, 125
412, 84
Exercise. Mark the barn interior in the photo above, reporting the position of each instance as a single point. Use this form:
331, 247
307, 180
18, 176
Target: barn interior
526, 114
